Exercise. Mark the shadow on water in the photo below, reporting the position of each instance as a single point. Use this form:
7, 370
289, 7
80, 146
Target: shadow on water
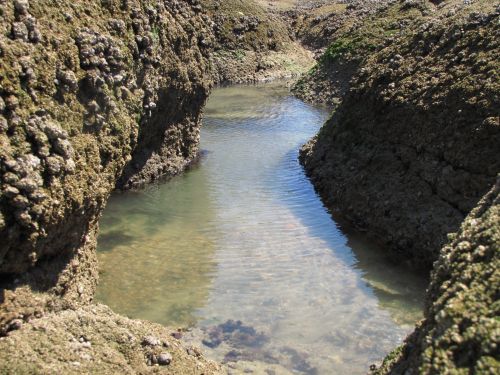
399, 290
242, 250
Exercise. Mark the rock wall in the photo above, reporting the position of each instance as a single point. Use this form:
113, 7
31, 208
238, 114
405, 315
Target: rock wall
344, 35
409, 152
94, 95
414, 144
253, 43
460, 330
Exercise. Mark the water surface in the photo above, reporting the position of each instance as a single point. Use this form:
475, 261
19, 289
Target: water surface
241, 251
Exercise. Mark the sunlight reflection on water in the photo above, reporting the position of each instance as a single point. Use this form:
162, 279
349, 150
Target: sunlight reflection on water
243, 237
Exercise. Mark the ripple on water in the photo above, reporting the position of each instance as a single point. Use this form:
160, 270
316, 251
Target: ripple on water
241, 250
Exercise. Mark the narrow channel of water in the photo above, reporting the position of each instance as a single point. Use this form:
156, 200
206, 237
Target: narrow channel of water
241, 251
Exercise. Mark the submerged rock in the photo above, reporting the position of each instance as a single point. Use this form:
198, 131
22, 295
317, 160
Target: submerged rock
236, 334
164, 359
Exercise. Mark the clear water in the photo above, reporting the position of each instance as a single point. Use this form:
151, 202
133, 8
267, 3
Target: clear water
244, 237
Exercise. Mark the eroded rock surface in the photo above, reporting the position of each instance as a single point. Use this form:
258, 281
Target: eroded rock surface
94, 340
414, 144
93, 95
253, 42
409, 152
460, 331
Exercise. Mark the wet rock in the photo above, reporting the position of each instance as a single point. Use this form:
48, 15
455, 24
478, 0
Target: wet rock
15, 324
164, 359
236, 334
194, 351
177, 335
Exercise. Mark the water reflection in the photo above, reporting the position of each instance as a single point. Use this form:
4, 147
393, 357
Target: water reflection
242, 251
399, 290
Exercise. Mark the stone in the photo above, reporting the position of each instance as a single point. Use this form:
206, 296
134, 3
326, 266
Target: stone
67, 80
20, 31
164, 359
150, 341
10, 191
10, 178
15, 324
177, 335
53, 131
23, 218
20, 201
27, 184
4, 126
11, 102
21, 6
53, 165
38, 196
63, 147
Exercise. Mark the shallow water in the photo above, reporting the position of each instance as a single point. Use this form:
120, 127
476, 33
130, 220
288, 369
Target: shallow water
243, 237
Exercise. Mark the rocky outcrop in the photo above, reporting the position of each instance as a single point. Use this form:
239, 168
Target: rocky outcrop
253, 43
460, 331
414, 144
344, 36
408, 154
93, 95
94, 340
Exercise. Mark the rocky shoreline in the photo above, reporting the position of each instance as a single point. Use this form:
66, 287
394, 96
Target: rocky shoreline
402, 132
409, 153
94, 95
99, 95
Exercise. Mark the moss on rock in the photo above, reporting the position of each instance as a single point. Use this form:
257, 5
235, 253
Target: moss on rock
253, 43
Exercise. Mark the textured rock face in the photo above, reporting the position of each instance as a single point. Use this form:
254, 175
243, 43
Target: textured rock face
90, 99
253, 43
345, 36
94, 340
414, 144
93, 95
460, 333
